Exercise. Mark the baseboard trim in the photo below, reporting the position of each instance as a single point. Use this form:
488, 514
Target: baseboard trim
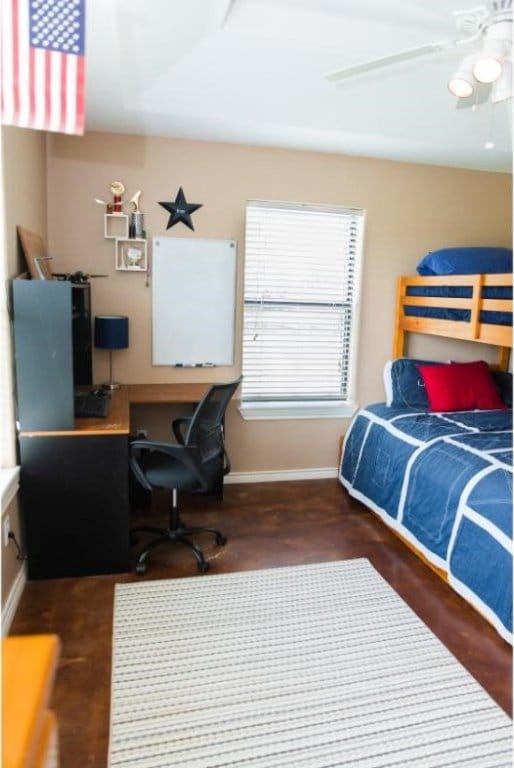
281, 475
13, 599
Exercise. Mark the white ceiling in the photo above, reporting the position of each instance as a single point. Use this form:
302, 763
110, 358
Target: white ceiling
183, 68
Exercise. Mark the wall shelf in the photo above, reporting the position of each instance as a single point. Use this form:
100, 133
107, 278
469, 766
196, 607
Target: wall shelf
131, 254
116, 225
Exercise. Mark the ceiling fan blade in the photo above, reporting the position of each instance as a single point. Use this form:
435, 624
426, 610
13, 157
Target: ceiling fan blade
393, 58
224, 9
479, 96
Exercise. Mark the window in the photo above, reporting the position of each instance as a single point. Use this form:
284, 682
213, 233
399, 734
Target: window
302, 269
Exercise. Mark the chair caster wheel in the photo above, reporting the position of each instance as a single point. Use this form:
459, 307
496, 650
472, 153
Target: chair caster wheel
221, 540
141, 568
203, 567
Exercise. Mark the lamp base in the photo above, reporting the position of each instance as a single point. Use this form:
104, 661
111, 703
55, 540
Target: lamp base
110, 385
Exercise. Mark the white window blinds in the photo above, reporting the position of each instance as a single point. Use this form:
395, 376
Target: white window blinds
302, 266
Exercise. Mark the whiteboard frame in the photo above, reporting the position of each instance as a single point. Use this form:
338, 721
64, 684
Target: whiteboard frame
193, 302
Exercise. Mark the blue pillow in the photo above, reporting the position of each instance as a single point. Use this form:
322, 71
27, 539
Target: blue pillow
466, 261
404, 384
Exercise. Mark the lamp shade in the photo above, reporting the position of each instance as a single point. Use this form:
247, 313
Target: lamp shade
111, 332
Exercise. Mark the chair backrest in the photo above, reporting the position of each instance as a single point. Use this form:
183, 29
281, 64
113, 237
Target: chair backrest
206, 425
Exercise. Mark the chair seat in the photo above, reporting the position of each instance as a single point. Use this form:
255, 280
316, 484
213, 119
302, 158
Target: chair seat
166, 472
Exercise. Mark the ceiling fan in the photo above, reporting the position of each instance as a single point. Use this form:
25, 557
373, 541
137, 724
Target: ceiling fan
484, 73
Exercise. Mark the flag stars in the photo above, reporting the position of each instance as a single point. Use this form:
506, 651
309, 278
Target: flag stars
53, 30
57, 25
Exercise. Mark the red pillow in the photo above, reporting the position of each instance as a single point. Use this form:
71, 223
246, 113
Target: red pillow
460, 387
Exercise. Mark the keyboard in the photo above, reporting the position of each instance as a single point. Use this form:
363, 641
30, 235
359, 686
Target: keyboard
93, 405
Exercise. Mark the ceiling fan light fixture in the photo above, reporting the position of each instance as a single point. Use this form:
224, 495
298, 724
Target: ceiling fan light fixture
461, 83
489, 62
460, 87
487, 69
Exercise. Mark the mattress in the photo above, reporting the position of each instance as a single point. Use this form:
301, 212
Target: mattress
444, 482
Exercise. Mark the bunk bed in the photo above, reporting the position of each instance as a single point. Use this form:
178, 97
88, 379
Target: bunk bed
441, 479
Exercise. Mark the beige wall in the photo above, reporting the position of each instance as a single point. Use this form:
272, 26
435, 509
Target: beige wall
24, 179
409, 209
24, 202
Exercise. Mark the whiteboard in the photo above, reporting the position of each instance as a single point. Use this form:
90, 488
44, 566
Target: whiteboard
193, 301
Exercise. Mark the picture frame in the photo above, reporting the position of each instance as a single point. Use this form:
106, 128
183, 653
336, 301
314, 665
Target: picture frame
35, 254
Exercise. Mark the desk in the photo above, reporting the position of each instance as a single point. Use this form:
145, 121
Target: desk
166, 393
74, 487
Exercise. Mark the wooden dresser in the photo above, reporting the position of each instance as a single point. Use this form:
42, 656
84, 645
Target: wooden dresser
29, 727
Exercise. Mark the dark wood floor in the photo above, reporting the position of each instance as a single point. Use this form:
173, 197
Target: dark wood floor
269, 524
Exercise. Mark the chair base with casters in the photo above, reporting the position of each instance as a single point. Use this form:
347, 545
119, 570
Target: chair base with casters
176, 532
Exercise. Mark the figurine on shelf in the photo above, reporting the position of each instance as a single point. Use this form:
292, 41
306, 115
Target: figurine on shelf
133, 257
136, 220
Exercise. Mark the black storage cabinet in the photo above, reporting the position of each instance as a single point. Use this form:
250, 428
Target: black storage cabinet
73, 483
74, 497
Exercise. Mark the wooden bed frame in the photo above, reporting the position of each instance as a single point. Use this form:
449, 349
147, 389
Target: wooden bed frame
472, 330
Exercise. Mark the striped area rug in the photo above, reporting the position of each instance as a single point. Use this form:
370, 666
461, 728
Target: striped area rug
309, 666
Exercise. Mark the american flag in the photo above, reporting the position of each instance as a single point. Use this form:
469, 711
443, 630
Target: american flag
43, 64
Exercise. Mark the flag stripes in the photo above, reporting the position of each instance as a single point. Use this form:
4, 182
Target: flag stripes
43, 85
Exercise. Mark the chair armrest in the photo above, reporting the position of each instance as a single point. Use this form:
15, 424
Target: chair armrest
134, 453
178, 426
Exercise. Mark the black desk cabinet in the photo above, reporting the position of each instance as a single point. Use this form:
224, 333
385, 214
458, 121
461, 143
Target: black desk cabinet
75, 504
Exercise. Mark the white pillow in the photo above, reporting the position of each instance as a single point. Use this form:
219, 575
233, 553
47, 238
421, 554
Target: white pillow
388, 382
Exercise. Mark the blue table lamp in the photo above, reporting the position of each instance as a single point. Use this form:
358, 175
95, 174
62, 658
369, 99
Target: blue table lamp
111, 332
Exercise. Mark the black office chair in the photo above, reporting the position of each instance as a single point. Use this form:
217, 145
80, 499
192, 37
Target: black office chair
196, 464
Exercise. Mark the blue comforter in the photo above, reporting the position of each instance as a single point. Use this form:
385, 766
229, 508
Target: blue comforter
444, 482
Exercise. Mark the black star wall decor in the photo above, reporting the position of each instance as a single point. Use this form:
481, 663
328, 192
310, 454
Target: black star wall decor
180, 210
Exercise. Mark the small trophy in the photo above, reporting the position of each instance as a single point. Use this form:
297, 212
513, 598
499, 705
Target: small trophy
117, 189
136, 218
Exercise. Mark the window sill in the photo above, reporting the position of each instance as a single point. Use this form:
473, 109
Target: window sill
8, 486
297, 410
